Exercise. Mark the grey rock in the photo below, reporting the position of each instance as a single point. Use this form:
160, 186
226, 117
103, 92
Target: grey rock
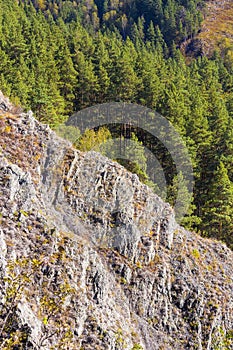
103, 252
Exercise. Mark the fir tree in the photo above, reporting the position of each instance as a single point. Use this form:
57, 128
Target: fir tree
218, 210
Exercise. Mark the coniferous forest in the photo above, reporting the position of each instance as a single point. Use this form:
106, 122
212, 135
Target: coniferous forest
58, 57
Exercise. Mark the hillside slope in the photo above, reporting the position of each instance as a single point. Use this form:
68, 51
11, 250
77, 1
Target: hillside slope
91, 259
218, 25
216, 31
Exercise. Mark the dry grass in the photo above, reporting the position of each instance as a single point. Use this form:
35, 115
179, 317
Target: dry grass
21, 148
217, 29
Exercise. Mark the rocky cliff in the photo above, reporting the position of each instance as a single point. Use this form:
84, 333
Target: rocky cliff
90, 258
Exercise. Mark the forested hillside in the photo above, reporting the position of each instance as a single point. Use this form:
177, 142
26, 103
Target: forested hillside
58, 57
177, 20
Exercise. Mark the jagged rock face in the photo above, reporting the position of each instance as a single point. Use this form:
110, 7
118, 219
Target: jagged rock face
91, 259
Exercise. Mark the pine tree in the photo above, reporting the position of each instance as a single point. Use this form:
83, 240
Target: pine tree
140, 26
101, 61
182, 200
123, 79
150, 85
151, 33
133, 157
5, 69
67, 76
169, 24
87, 86
218, 210
160, 44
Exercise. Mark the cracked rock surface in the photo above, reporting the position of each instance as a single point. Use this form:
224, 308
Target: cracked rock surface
95, 259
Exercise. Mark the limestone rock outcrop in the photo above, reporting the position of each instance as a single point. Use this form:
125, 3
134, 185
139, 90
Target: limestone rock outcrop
90, 258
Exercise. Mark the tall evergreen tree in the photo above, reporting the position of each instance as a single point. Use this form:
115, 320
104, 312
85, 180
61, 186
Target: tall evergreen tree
218, 210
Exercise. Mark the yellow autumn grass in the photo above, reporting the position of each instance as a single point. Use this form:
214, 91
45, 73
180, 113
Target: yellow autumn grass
217, 28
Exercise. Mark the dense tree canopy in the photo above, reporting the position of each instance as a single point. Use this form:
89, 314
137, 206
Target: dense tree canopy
58, 57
